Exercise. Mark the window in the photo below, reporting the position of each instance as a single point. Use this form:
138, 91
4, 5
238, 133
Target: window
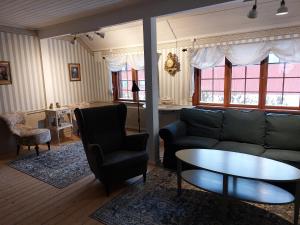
125, 84
141, 84
122, 84
272, 84
245, 84
283, 83
212, 84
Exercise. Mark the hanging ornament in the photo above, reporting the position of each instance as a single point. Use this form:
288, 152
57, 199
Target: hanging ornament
172, 65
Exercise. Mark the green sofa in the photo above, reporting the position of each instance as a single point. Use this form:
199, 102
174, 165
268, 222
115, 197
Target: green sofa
270, 135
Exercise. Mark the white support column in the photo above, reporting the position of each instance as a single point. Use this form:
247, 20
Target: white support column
151, 77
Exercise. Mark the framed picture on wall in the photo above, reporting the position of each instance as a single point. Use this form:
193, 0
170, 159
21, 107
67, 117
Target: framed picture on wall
5, 75
74, 72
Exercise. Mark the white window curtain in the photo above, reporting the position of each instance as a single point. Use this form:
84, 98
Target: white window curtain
287, 50
246, 54
249, 53
207, 57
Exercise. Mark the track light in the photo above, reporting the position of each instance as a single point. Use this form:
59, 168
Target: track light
89, 37
282, 10
253, 12
100, 34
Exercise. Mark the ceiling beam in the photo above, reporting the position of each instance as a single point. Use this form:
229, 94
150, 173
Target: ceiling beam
18, 30
152, 8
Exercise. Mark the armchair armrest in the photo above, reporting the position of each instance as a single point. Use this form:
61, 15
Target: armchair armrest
136, 142
95, 155
172, 131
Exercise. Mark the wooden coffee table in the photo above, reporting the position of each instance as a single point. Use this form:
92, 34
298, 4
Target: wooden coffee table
239, 176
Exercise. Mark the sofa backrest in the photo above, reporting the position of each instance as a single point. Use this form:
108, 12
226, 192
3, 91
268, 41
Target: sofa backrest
282, 131
201, 122
244, 126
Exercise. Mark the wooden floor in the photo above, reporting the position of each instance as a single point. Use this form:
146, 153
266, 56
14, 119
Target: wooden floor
27, 201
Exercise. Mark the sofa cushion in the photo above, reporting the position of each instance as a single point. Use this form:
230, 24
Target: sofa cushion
251, 149
194, 142
203, 123
287, 156
244, 126
282, 131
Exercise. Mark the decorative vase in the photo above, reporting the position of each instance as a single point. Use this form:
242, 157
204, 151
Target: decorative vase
51, 106
57, 105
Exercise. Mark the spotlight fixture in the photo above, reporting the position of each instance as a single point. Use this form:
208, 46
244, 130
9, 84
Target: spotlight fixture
282, 10
89, 37
100, 34
253, 12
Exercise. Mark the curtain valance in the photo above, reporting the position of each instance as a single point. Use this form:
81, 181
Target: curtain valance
248, 53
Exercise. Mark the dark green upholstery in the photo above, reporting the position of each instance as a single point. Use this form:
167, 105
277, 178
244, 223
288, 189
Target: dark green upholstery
282, 131
204, 123
247, 148
288, 156
112, 155
244, 126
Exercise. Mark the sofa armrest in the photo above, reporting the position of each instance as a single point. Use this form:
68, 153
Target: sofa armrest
136, 142
172, 131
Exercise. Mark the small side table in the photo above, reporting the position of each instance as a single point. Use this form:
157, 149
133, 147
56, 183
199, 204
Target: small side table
59, 119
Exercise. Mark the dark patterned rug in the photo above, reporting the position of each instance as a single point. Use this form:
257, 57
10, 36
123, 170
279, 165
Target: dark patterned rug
157, 203
59, 168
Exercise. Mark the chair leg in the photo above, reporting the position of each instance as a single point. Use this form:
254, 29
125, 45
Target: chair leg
144, 177
48, 143
18, 149
37, 150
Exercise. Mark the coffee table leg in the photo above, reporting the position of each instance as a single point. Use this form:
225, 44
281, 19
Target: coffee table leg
225, 200
179, 179
297, 203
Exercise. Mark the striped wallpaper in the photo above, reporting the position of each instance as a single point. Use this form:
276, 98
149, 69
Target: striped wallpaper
56, 55
177, 87
27, 90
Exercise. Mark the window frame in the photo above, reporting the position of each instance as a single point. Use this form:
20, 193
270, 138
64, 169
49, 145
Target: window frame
116, 87
263, 78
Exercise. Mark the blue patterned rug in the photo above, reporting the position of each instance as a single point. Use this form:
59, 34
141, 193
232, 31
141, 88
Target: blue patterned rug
59, 168
156, 203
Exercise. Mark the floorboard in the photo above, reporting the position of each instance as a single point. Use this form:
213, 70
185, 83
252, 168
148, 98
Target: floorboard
25, 200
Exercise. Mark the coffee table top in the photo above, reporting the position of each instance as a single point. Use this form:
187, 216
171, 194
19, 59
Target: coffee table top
239, 164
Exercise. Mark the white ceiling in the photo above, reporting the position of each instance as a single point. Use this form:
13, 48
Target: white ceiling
35, 14
220, 19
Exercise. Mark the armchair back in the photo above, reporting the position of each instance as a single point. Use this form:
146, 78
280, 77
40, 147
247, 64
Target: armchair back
104, 126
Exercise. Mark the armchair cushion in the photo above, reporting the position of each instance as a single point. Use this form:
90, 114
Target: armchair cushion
136, 142
124, 158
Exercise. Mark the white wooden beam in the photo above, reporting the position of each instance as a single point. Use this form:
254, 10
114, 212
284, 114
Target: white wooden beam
149, 9
151, 78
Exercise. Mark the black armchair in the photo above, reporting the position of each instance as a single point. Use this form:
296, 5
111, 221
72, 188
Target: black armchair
112, 155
